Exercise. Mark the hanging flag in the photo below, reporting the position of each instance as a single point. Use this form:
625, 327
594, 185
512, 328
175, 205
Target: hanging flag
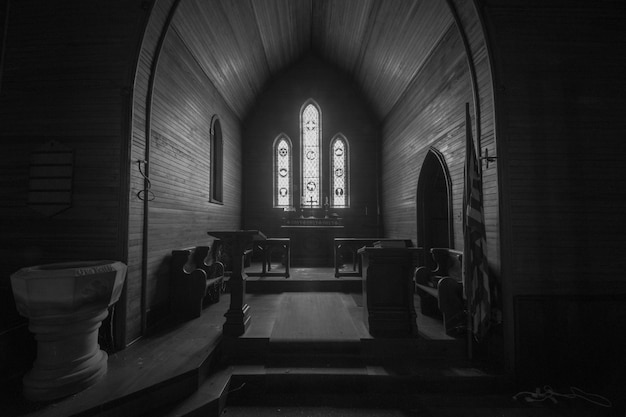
475, 261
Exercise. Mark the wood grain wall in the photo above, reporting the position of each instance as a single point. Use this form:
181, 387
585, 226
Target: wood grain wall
175, 106
344, 111
431, 115
560, 103
563, 182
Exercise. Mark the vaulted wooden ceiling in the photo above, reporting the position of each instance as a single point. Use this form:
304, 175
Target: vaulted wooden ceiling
242, 44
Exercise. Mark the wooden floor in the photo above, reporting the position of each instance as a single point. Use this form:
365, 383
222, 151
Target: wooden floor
167, 364
323, 280
296, 274
311, 317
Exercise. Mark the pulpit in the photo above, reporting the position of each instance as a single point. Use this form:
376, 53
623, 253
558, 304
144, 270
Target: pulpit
238, 241
388, 291
351, 245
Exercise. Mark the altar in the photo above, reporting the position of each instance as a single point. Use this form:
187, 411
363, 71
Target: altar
312, 240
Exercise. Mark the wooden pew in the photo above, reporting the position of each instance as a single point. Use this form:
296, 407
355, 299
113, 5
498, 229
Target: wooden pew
441, 289
197, 280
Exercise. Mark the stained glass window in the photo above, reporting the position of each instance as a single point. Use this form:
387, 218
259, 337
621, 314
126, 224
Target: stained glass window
310, 130
282, 172
339, 172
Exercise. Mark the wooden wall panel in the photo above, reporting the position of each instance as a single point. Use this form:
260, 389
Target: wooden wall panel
400, 53
184, 101
224, 39
285, 29
150, 48
562, 188
242, 45
65, 78
431, 114
340, 28
470, 26
560, 156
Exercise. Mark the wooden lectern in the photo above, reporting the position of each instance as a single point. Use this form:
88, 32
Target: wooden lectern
237, 316
388, 291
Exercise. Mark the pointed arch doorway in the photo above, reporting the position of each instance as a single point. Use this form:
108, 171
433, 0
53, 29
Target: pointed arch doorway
434, 204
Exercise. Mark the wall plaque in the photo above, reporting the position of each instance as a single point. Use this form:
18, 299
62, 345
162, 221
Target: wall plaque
50, 178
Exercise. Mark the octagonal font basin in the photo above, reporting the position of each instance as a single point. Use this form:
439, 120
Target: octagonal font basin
63, 288
65, 304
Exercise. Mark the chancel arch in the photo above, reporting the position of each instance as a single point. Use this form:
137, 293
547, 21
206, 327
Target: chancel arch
434, 203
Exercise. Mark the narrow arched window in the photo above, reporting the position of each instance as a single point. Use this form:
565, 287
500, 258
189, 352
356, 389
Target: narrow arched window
282, 172
310, 121
339, 172
217, 161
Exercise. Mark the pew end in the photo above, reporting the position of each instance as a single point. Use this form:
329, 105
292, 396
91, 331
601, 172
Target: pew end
196, 281
441, 289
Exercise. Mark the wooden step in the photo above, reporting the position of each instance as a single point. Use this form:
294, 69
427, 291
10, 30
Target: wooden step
208, 400
341, 354
158, 370
278, 285
260, 351
366, 386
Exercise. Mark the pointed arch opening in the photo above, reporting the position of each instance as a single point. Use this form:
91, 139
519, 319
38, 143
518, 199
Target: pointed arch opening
434, 204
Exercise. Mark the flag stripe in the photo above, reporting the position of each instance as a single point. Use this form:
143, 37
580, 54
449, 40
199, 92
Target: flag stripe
477, 271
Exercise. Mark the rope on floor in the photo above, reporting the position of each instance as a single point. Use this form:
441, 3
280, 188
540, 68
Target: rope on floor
547, 393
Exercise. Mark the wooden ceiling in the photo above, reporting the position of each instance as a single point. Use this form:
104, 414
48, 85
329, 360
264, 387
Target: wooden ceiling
381, 44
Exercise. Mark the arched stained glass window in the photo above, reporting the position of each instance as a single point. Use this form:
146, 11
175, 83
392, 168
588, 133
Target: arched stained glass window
339, 172
310, 121
282, 172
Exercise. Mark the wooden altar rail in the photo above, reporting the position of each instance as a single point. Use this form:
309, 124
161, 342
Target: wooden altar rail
353, 244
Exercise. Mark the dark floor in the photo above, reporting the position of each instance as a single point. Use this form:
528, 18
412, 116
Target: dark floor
459, 411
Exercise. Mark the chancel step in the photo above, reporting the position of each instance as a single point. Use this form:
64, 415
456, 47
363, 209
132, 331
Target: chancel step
208, 400
359, 387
